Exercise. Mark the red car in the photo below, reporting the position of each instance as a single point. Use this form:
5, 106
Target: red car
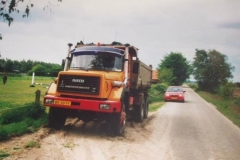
174, 93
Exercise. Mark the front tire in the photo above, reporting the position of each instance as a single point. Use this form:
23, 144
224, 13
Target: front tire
118, 124
57, 118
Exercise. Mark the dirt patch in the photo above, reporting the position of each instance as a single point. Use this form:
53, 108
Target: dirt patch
75, 136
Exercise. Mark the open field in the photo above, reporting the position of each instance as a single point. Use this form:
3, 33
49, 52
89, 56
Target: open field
17, 91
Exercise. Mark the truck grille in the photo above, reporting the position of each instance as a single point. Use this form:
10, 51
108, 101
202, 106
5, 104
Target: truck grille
78, 84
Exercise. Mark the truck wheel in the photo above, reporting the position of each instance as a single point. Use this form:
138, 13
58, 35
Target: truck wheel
117, 122
139, 112
57, 118
146, 107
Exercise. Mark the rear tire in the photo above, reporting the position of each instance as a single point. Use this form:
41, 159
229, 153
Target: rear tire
139, 111
146, 108
57, 118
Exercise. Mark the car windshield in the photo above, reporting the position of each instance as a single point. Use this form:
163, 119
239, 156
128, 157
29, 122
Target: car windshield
101, 61
174, 89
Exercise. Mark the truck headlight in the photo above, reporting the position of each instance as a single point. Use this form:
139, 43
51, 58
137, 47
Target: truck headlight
49, 101
105, 106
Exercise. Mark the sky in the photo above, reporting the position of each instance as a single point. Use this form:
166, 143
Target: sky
155, 27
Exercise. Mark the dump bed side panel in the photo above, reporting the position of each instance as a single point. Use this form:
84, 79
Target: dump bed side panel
145, 75
140, 79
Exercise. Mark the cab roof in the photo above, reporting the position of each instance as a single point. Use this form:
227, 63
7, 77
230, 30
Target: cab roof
114, 47
95, 50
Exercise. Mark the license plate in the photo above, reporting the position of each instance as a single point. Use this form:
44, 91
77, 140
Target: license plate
64, 103
173, 97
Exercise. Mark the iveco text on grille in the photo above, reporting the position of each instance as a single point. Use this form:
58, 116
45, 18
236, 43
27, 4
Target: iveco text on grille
78, 80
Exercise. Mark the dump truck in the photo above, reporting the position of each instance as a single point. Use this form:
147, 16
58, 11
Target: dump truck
104, 82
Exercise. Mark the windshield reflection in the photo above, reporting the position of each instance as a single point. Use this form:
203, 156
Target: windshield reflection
101, 61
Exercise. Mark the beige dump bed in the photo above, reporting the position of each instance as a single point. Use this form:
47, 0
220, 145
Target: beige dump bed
142, 79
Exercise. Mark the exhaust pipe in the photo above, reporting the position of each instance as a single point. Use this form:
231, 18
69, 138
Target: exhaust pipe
126, 66
67, 58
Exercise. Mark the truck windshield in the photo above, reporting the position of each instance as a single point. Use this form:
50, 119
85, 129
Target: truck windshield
100, 61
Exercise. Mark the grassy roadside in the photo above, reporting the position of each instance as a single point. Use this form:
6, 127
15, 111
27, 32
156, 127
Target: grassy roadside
230, 107
18, 121
155, 106
18, 112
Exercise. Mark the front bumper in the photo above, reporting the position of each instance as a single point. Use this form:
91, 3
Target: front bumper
107, 106
174, 98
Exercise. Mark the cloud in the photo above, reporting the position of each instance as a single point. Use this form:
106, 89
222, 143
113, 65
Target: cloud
230, 25
155, 27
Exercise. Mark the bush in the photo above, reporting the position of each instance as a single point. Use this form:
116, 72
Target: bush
27, 125
3, 134
193, 86
237, 102
226, 90
30, 110
157, 91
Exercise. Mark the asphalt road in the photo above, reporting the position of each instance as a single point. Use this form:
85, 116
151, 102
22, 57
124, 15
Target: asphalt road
195, 130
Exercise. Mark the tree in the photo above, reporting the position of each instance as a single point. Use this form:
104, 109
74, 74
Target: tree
178, 64
8, 8
8, 65
55, 68
211, 69
39, 70
166, 76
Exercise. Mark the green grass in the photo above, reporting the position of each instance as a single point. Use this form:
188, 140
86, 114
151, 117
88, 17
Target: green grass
32, 144
230, 107
156, 99
3, 154
18, 112
17, 91
27, 122
155, 106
